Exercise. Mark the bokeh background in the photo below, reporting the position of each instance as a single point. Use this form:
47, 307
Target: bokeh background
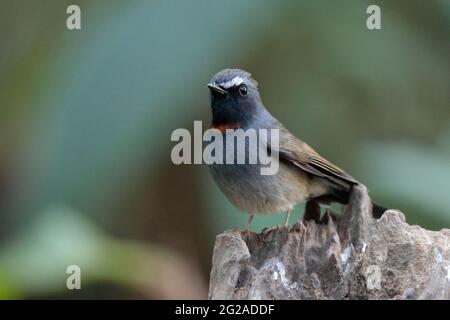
86, 118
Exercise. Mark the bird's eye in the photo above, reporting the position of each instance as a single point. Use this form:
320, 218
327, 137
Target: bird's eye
243, 90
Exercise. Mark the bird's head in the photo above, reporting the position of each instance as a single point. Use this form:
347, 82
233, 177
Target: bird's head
234, 97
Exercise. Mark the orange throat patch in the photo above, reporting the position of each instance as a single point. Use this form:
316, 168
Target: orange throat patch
224, 126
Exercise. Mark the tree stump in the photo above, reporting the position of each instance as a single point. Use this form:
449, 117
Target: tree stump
349, 257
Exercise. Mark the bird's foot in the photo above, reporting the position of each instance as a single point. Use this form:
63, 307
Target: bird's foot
270, 229
249, 223
286, 219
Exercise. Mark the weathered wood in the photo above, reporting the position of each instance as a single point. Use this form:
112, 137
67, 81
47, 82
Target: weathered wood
350, 257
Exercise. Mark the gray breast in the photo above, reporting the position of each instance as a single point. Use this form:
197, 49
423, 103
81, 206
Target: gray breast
247, 189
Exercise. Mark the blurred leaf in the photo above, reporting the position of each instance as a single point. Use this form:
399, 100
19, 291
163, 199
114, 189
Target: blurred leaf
36, 262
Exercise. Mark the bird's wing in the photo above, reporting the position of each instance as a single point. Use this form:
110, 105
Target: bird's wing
303, 156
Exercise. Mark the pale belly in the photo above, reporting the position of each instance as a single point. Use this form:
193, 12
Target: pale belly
254, 193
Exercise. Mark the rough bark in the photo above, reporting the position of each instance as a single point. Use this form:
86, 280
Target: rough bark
349, 257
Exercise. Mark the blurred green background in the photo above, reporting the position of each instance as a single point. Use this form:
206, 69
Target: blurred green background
86, 118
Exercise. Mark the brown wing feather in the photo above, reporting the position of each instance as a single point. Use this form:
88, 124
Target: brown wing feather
302, 155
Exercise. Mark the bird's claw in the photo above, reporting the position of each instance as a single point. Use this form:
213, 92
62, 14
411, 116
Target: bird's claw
270, 229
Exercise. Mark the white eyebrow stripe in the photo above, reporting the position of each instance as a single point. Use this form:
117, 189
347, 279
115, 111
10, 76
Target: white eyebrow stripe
231, 83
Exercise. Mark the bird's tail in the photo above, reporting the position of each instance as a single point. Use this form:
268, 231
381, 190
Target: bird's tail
377, 210
342, 196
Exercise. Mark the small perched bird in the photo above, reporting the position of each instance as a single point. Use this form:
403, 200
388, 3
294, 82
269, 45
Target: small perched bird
303, 174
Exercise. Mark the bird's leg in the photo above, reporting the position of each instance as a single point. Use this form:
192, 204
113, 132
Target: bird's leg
286, 219
312, 211
249, 223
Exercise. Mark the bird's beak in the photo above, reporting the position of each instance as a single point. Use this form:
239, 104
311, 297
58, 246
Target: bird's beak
216, 89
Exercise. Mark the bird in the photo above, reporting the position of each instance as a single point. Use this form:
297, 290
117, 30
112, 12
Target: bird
303, 175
